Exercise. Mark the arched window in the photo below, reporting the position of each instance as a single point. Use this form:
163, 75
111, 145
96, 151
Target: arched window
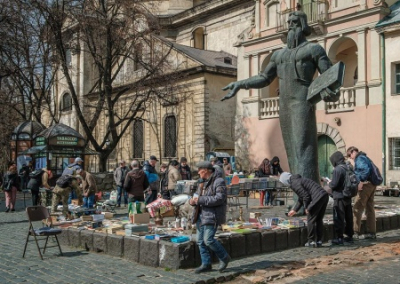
138, 139
198, 38
66, 104
170, 136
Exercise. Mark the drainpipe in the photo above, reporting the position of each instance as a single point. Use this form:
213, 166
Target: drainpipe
382, 38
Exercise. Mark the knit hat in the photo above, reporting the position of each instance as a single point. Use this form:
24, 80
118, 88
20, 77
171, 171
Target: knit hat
285, 178
78, 160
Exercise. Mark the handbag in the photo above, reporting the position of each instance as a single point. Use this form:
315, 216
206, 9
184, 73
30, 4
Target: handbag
8, 185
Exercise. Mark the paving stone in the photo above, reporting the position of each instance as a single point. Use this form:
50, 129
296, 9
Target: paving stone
394, 222
268, 239
149, 252
379, 225
281, 241
100, 242
175, 256
238, 245
253, 243
132, 248
87, 240
115, 245
386, 223
74, 237
294, 237
63, 237
303, 236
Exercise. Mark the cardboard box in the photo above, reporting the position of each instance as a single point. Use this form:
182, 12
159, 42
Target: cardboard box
87, 218
169, 213
76, 202
143, 218
108, 215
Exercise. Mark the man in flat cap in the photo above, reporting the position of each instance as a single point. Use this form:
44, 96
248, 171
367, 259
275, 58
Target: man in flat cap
210, 202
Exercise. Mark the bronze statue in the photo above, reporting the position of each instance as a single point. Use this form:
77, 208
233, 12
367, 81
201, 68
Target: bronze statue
295, 67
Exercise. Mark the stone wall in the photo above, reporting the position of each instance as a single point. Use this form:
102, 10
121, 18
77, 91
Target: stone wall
186, 255
105, 181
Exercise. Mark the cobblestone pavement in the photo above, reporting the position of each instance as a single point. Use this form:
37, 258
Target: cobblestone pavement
79, 266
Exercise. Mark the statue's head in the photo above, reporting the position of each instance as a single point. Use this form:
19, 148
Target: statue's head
298, 28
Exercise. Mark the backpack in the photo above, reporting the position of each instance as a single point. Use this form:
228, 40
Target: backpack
64, 181
375, 176
37, 175
350, 188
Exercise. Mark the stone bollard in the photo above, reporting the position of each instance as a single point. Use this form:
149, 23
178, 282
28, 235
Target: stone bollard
253, 243
294, 237
238, 245
87, 240
175, 256
281, 241
100, 242
115, 245
149, 252
268, 240
74, 237
131, 248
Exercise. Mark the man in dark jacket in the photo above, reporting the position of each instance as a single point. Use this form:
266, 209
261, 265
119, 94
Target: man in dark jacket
211, 202
342, 210
365, 196
314, 199
135, 183
184, 169
152, 177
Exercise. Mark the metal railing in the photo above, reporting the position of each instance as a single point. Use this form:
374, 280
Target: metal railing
316, 12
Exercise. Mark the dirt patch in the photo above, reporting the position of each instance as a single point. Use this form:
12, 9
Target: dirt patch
288, 272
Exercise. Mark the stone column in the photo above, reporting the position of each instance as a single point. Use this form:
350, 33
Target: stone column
257, 15
255, 70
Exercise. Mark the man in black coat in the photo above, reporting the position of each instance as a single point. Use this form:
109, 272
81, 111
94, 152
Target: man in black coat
314, 199
342, 210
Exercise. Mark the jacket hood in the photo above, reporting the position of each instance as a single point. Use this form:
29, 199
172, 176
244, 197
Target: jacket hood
285, 178
274, 159
336, 158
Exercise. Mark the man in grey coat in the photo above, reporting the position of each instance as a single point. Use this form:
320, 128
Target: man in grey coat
209, 214
119, 178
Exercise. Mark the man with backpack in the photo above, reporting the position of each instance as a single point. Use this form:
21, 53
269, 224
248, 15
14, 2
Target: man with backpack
35, 182
365, 172
342, 191
61, 191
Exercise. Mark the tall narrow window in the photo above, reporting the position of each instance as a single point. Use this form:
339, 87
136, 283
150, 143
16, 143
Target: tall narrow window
198, 37
397, 80
138, 139
170, 136
66, 104
394, 153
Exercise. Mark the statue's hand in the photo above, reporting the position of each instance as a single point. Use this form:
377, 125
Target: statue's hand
234, 87
330, 96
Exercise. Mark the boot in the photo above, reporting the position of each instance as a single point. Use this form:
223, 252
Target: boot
224, 263
203, 268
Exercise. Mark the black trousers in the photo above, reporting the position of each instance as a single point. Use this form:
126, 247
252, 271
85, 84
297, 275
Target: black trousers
167, 194
35, 197
315, 224
343, 217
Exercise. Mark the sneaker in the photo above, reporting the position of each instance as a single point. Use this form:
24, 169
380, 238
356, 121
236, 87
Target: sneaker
203, 268
349, 239
356, 237
319, 244
337, 242
370, 236
311, 244
223, 264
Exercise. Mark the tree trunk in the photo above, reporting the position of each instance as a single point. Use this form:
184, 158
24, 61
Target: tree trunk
103, 161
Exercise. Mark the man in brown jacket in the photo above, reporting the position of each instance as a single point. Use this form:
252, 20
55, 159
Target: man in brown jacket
89, 188
135, 183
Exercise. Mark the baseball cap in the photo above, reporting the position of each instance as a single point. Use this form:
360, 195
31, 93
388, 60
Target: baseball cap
154, 158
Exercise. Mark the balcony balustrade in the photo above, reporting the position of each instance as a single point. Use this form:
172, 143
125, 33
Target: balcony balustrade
269, 107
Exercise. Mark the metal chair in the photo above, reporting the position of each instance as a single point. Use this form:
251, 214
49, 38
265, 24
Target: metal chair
35, 214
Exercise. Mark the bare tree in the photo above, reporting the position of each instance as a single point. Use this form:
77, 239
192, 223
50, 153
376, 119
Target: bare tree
26, 72
129, 62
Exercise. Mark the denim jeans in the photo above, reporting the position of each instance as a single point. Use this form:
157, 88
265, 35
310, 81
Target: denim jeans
88, 201
121, 191
72, 195
205, 240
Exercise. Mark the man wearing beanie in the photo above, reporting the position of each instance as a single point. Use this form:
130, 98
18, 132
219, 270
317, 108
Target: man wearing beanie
314, 199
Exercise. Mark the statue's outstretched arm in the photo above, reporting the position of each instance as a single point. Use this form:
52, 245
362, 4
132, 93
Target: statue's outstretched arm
255, 82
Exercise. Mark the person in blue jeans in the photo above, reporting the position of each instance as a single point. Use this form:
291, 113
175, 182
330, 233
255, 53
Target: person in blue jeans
119, 178
89, 188
211, 204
